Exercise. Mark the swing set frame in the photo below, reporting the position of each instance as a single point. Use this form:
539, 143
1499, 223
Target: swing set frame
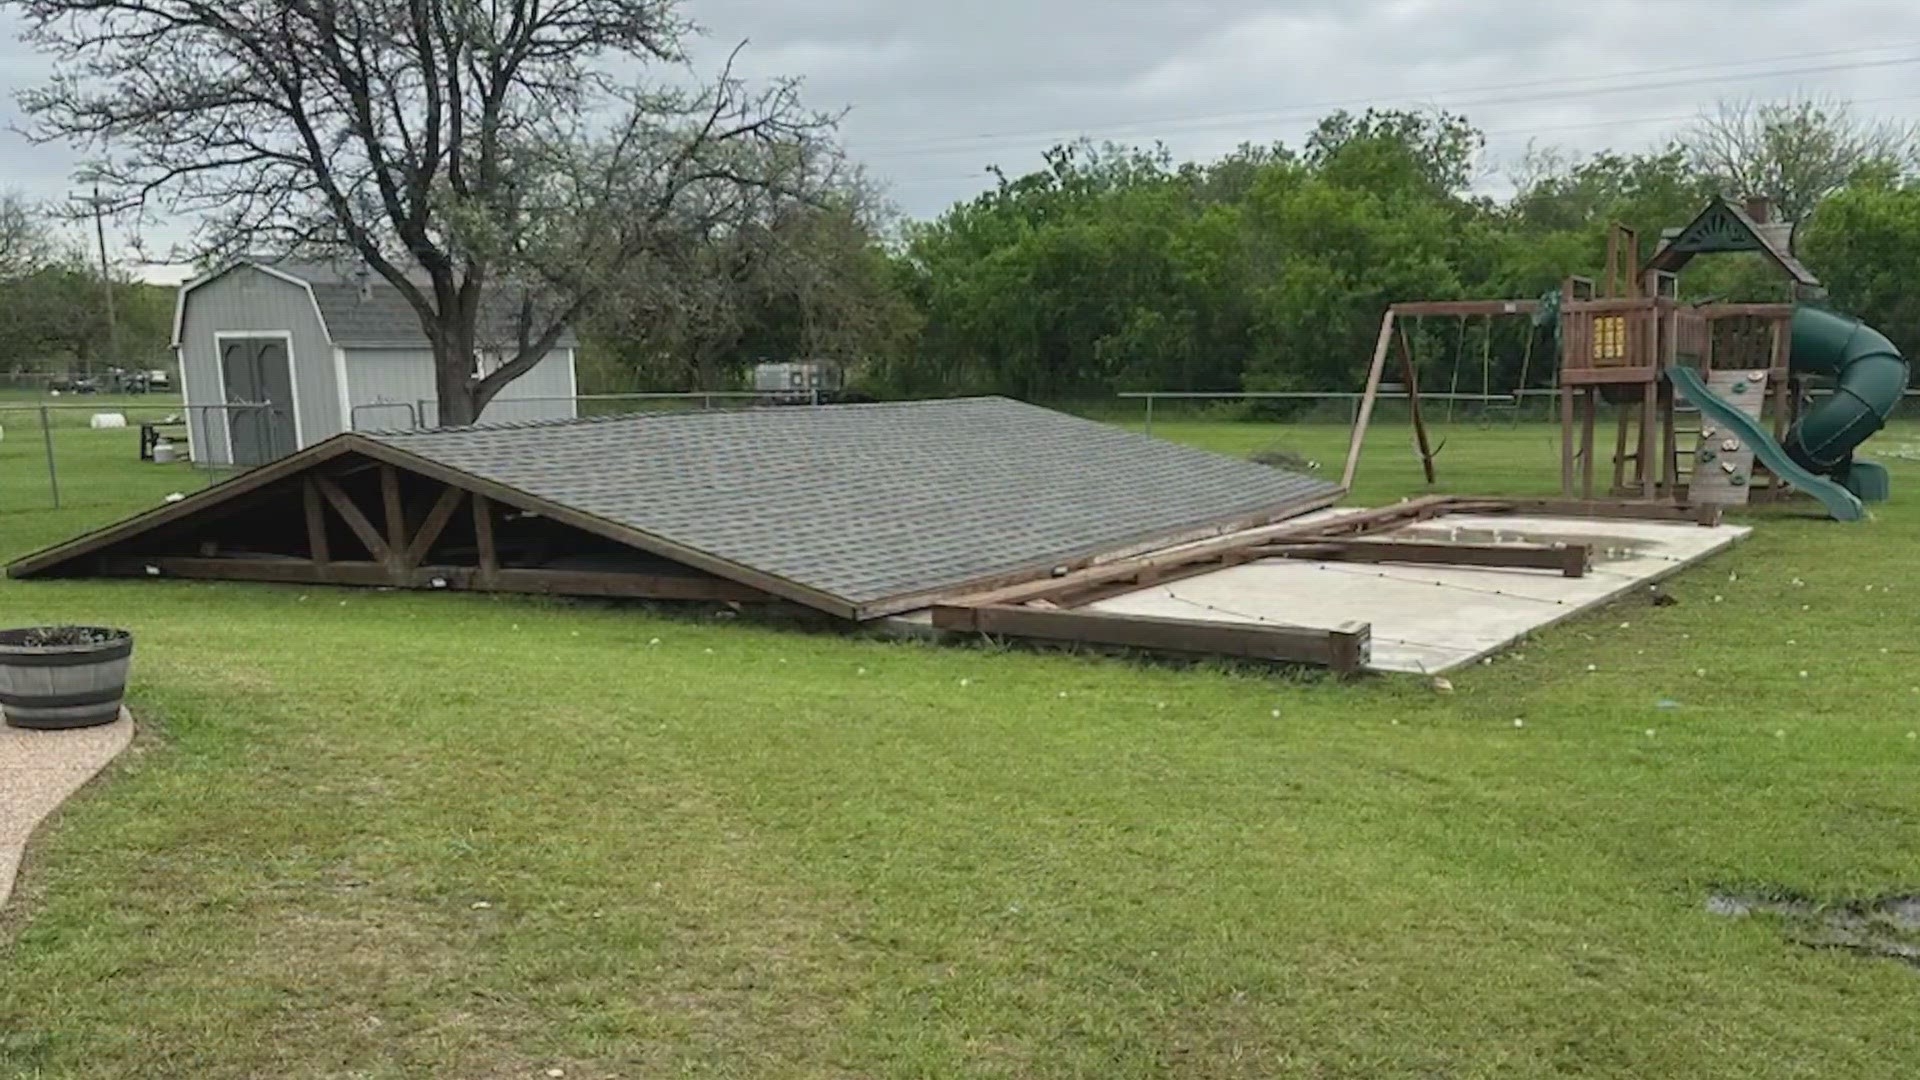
1617, 338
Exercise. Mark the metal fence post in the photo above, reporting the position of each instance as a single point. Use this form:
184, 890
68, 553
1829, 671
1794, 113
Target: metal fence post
1149, 429
53, 475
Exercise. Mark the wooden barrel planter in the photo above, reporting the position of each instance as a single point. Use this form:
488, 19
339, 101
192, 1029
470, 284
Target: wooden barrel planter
54, 677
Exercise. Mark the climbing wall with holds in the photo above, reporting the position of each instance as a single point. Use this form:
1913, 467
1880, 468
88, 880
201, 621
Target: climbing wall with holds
1723, 462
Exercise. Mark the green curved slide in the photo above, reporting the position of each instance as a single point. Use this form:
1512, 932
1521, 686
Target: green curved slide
1869, 377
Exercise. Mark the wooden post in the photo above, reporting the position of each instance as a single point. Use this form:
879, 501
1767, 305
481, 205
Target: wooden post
1588, 416
1649, 419
1566, 440
483, 538
316, 524
1620, 447
1365, 415
396, 517
1670, 444
1413, 406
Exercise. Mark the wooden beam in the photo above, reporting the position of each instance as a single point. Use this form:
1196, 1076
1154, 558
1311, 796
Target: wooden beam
1183, 561
1649, 425
431, 528
316, 523
355, 520
634, 586
1280, 516
1413, 406
1608, 375
396, 515
1746, 311
1593, 508
608, 583
1357, 440
1465, 307
1566, 437
483, 536
224, 492
1588, 416
1570, 560
1345, 650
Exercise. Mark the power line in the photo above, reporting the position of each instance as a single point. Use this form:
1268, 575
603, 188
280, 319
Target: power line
1491, 133
903, 148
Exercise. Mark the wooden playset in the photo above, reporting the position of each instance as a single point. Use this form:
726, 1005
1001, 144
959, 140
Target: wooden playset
1630, 341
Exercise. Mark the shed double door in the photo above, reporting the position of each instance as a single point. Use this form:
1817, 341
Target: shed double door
258, 376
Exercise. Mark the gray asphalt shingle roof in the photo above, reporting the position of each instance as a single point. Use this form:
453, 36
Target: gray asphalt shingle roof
869, 503
383, 317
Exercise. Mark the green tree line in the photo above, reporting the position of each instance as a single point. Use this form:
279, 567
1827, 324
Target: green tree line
1115, 268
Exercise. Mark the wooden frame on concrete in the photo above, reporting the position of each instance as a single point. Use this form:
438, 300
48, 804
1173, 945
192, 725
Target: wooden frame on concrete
1345, 650
1047, 610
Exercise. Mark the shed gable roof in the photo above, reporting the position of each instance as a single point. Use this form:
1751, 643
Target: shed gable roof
374, 316
858, 510
876, 503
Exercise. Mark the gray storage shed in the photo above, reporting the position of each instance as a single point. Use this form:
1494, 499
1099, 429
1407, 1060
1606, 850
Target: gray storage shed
276, 356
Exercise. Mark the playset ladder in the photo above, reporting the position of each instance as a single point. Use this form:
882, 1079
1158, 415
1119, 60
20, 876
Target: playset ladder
1722, 461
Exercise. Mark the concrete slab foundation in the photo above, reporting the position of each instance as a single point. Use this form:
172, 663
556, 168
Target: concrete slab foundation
1431, 619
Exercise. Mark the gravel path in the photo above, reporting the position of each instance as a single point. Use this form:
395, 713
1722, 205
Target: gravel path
38, 770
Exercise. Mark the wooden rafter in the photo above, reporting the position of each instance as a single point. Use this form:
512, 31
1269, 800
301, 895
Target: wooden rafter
357, 521
316, 523
432, 527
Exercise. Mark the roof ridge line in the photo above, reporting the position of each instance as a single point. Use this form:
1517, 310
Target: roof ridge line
569, 421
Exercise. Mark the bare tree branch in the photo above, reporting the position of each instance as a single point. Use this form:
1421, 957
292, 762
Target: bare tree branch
1796, 152
466, 150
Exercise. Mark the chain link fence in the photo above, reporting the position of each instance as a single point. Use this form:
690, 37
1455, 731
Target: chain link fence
42, 436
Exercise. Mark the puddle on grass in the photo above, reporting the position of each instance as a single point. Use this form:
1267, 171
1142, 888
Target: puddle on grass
1886, 927
1605, 548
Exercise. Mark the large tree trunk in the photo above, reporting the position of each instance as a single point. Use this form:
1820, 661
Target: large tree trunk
453, 385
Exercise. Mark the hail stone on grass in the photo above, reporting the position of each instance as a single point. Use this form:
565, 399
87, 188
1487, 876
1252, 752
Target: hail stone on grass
1649, 733
654, 641
1517, 722
1780, 734
857, 671
1803, 674
709, 652
1717, 599
1276, 714
966, 682
1593, 667
481, 905
174, 497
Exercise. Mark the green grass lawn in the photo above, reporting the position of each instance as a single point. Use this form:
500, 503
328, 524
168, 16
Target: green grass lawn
368, 834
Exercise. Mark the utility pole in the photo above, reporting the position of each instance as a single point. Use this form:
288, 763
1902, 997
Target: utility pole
99, 203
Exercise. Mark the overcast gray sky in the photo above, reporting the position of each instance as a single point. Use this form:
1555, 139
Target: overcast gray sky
939, 90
